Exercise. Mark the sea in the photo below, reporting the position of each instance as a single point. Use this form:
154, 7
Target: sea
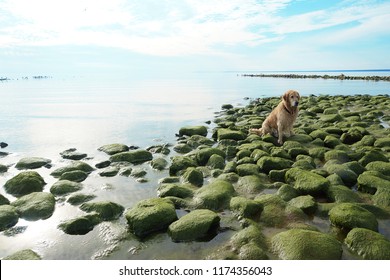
46, 115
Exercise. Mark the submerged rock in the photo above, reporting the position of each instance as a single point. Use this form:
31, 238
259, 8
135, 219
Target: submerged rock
3, 168
109, 171
80, 225
35, 206
159, 163
74, 176
24, 183
24, 255
32, 163
112, 149
195, 225
107, 210
135, 157
80, 198
77, 165
64, 187
301, 244
150, 215
8, 217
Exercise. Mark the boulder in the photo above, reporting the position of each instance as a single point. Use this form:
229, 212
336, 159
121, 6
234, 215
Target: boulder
379, 166
382, 142
135, 157
73, 154
180, 163
32, 163
373, 156
24, 183
103, 164
159, 163
348, 177
369, 182
176, 190
267, 163
340, 193
77, 165
35, 206
107, 210
80, 225
203, 155
368, 244
64, 187
193, 130
3, 200
250, 184
286, 192
301, 244
307, 182
24, 255
216, 162
3, 168
348, 216
8, 217
214, 196
196, 225
224, 133
151, 215
80, 198
112, 149
109, 171
74, 176
247, 169
246, 208
182, 148
306, 203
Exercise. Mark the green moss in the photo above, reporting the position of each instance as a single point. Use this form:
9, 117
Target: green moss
382, 142
176, 190
8, 217
371, 156
74, 176
193, 176
203, 155
247, 169
32, 163
3, 200
24, 183
214, 196
380, 166
244, 207
77, 165
193, 130
340, 156
286, 192
80, 198
331, 141
216, 162
24, 255
267, 163
307, 182
180, 163
109, 171
107, 210
80, 225
249, 185
64, 187
135, 157
224, 133
35, 206
348, 177
306, 203
112, 149
339, 193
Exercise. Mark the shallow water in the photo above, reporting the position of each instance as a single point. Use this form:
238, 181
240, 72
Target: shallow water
47, 116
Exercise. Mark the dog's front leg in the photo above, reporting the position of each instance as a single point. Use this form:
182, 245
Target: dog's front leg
280, 134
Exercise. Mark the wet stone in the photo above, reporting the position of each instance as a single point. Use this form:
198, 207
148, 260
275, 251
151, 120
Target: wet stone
73, 154
32, 163
35, 206
24, 183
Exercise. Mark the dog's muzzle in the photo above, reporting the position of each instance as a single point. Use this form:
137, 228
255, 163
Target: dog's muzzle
296, 103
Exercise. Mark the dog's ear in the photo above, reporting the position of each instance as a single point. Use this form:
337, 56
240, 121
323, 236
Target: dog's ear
285, 96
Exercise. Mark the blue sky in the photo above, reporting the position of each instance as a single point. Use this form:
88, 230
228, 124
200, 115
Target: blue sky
84, 36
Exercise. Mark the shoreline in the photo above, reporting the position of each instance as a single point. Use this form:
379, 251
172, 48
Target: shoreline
325, 77
262, 195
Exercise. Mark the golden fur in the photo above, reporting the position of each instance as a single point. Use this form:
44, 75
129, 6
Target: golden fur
280, 121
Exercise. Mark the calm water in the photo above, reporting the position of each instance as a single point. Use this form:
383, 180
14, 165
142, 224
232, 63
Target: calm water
47, 116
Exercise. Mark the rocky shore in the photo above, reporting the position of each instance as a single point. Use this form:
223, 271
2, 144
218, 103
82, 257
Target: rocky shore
335, 169
334, 77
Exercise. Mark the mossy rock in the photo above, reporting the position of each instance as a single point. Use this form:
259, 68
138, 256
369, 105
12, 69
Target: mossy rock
246, 208
80, 225
331, 118
355, 167
135, 157
196, 225
301, 244
368, 244
109, 171
258, 153
250, 185
372, 156
216, 162
230, 177
4, 200
348, 216
307, 182
193, 176
77, 165
32, 163
112, 149
306, 203
330, 111
331, 141
203, 155
340, 193
286, 192
150, 215
280, 152
318, 133
107, 210
3, 168
182, 148
103, 164
74, 176
382, 142
267, 163
277, 175
80, 198
197, 140
35, 206
24, 183
368, 182
303, 164
159, 163
64, 187
351, 137
26, 254
379, 166
181, 163
214, 196
8, 217
301, 138
224, 133
73, 154
247, 169
382, 197
318, 152
175, 190
193, 130
340, 156
348, 177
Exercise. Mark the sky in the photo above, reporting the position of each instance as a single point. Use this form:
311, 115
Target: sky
51, 37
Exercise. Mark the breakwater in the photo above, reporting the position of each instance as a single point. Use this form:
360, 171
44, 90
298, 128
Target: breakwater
334, 77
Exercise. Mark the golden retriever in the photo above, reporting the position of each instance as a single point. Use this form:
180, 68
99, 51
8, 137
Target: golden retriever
280, 121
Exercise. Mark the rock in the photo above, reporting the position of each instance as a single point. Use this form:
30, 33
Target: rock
197, 140
112, 149
103, 164
286, 192
24, 255
32, 163
348, 216
301, 244
382, 142
176, 190
77, 165
193, 176
331, 118
193, 130
267, 163
214, 196
3, 200
107, 210
159, 164
138, 173
373, 156
182, 148
370, 183
196, 225
150, 215
247, 169
80, 225
246, 208
340, 156
8, 217
135, 157
73, 154
331, 141
379, 166
340, 193
203, 155
250, 184
3, 145
3, 168
307, 182
368, 244
216, 162
306, 203
348, 177
35, 206
224, 133
74, 176
64, 187
24, 183
109, 171
180, 163
80, 198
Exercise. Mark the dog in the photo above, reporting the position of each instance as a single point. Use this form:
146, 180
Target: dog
280, 121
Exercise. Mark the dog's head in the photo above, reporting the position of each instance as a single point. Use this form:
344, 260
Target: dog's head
291, 98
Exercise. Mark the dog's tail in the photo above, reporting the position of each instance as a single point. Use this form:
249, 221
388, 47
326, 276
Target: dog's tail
258, 131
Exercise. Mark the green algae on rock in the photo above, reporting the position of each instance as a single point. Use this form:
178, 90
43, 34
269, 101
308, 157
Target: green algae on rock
64, 187
267, 163
181, 163
35, 206
32, 163
150, 215
73, 154
135, 157
368, 244
106, 210
112, 149
80, 198
214, 196
202, 156
307, 182
196, 225
74, 176
193, 130
193, 176
301, 244
80, 225
76, 165
176, 190
306, 203
8, 217
246, 208
24, 183
26, 254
